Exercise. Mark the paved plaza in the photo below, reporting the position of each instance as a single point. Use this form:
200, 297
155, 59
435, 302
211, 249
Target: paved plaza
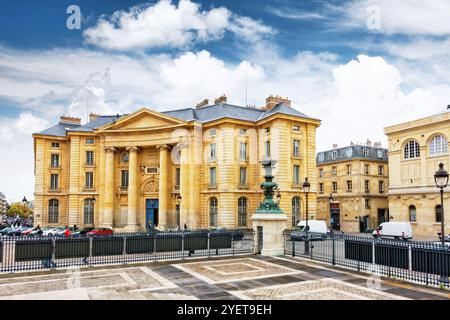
227, 278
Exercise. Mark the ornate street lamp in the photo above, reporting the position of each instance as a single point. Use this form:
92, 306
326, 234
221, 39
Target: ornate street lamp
306, 188
441, 180
24, 201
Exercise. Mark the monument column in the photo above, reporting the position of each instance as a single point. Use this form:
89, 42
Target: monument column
163, 185
132, 189
109, 188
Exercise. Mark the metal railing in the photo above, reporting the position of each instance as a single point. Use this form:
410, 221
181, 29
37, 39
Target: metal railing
418, 262
35, 253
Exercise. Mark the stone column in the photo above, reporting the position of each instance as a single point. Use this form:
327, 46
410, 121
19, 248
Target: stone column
163, 186
109, 188
132, 189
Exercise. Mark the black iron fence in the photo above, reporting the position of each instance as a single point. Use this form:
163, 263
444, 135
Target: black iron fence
23, 253
420, 262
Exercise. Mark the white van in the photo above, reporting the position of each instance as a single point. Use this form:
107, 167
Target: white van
317, 229
394, 230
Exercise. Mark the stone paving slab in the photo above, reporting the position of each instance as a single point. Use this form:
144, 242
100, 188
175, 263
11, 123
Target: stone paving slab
226, 278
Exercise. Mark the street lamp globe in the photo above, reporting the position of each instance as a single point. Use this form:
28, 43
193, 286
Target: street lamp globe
24, 200
330, 198
441, 177
306, 186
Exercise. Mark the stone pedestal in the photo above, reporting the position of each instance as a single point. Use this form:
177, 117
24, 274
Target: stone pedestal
273, 225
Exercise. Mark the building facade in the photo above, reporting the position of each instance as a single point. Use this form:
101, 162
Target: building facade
3, 203
352, 187
196, 166
415, 150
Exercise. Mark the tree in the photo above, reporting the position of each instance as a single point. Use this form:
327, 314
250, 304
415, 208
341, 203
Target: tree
19, 208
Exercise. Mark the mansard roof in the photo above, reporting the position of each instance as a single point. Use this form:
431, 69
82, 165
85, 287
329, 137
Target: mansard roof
351, 153
202, 115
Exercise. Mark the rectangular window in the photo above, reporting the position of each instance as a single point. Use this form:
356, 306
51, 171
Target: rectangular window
55, 145
296, 148
177, 178
268, 148
212, 177
89, 180
243, 151
212, 151
54, 181
349, 169
55, 161
367, 186
334, 171
321, 173
242, 132
267, 130
334, 185
90, 141
212, 132
243, 177
90, 157
366, 169
296, 128
367, 203
296, 174
321, 187
381, 186
381, 170
349, 186
124, 179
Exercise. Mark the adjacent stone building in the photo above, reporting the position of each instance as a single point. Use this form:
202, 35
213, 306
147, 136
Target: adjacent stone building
3, 203
356, 177
415, 150
195, 166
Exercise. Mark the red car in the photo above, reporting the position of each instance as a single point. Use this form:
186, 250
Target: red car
100, 232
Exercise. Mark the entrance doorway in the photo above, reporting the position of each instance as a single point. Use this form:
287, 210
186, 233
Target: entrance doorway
335, 216
151, 212
364, 223
383, 216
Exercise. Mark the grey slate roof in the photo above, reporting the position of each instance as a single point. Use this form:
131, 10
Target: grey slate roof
204, 114
352, 152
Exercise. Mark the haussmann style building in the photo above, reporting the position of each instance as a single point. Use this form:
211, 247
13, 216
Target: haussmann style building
416, 148
352, 187
195, 166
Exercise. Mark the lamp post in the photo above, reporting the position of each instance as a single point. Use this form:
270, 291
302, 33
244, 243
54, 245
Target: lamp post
93, 210
331, 199
306, 188
24, 201
441, 180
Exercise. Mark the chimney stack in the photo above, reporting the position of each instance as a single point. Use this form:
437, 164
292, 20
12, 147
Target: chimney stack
221, 99
448, 107
203, 103
335, 146
93, 116
272, 101
70, 120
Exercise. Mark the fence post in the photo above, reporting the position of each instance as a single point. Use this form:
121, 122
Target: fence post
359, 256
52, 263
373, 255
90, 249
182, 245
209, 244
293, 246
426, 265
334, 251
124, 249
154, 244
410, 258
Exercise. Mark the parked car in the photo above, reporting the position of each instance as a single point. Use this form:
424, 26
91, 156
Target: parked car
317, 230
446, 238
5, 231
17, 231
100, 232
394, 230
27, 232
82, 232
52, 231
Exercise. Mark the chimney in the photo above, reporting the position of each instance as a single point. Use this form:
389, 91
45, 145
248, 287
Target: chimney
377, 144
448, 107
368, 143
70, 120
272, 101
93, 116
221, 99
202, 104
335, 146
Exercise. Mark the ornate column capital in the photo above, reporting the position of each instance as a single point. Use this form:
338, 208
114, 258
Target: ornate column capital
110, 149
132, 149
163, 147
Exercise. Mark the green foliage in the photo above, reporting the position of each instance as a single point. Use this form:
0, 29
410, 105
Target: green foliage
19, 208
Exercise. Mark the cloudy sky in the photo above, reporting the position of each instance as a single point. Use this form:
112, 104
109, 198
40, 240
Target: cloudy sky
357, 65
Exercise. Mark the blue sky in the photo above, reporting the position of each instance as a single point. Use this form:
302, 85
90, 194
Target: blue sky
359, 65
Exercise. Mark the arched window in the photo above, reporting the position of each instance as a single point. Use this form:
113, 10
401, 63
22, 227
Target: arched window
53, 210
438, 213
295, 211
89, 211
242, 212
412, 150
213, 212
438, 146
412, 213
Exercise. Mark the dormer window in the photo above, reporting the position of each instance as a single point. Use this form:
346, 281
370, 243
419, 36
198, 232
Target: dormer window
365, 152
334, 155
380, 154
321, 157
349, 152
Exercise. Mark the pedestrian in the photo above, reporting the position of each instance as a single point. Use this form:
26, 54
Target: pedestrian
67, 232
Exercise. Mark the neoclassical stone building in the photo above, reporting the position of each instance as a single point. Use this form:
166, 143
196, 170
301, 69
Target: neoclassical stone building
357, 178
415, 150
195, 166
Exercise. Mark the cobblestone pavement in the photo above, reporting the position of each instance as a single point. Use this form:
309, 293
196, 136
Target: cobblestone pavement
244, 277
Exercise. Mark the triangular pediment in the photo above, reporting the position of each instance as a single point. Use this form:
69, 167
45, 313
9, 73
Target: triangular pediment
143, 119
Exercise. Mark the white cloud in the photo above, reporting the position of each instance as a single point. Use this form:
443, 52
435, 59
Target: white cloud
167, 25
412, 17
